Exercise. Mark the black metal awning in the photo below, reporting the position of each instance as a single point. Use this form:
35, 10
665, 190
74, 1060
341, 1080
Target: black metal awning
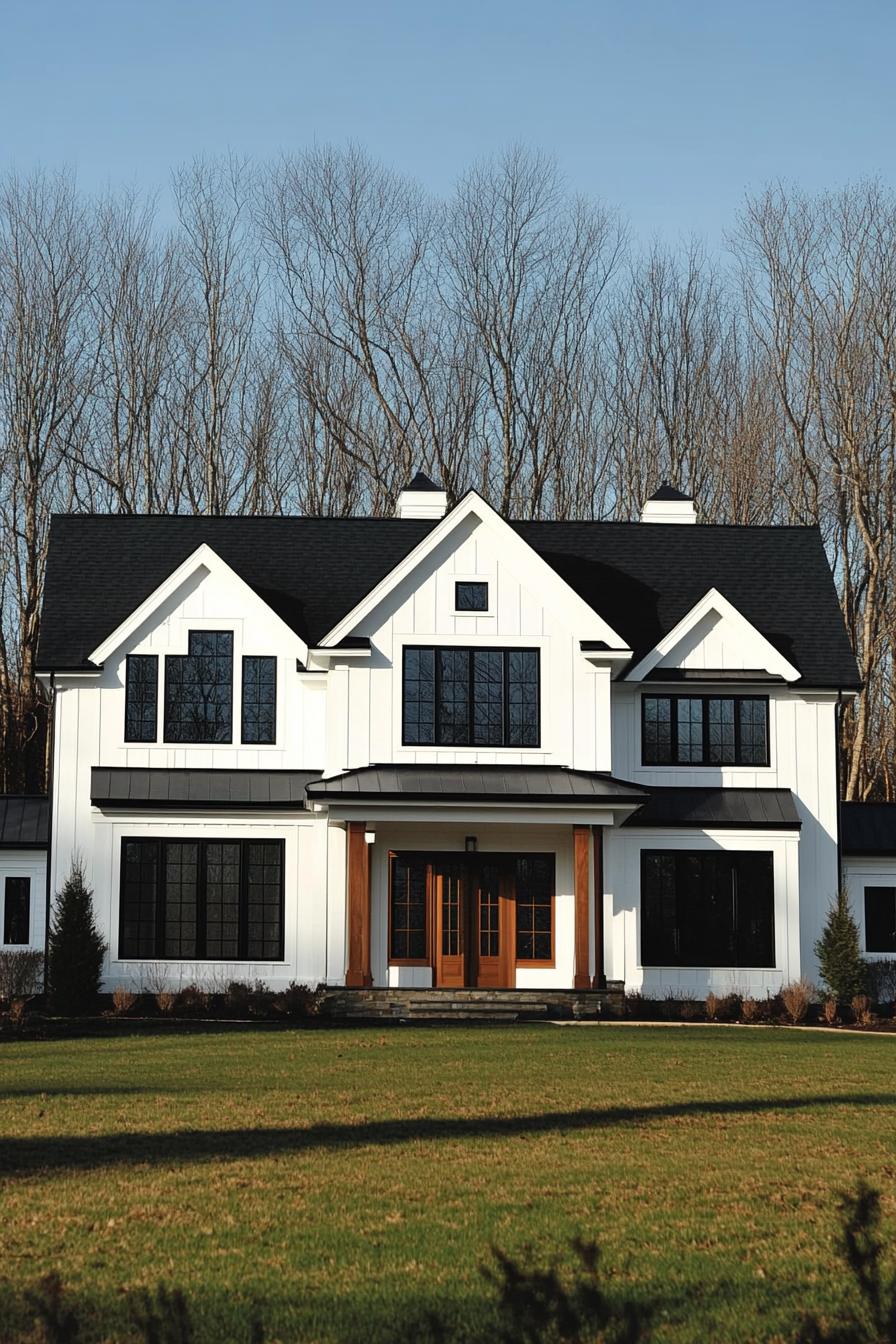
147, 788
24, 821
735, 809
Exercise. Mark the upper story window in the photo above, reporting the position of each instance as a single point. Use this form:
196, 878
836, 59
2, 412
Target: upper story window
141, 697
704, 730
199, 689
471, 597
462, 697
259, 719
199, 694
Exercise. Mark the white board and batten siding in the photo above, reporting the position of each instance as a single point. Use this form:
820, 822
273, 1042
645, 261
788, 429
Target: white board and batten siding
867, 870
32, 865
364, 709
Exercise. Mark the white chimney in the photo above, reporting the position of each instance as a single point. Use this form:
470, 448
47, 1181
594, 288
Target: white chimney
421, 498
669, 505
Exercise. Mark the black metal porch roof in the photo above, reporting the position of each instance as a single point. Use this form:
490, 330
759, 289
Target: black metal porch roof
477, 783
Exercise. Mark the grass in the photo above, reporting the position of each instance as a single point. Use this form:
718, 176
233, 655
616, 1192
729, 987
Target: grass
352, 1180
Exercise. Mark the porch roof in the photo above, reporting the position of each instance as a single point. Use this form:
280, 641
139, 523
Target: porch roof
736, 809
532, 784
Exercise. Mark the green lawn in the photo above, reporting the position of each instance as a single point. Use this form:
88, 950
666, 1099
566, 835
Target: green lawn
351, 1180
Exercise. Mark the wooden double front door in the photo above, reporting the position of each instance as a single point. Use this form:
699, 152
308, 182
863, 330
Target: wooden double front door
474, 904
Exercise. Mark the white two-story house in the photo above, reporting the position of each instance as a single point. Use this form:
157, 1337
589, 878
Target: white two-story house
446, 749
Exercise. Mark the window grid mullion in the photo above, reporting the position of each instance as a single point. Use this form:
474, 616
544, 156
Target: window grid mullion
704, 718
471, 697
242, 937
161, 894
201, 895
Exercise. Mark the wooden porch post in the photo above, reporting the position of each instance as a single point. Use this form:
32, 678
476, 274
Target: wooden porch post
600, 974
357, 975
581, 863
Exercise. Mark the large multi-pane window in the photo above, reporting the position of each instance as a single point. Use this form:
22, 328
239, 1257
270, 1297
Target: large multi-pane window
707, 908
17, 911
201, 899
141, 697
259, 719
704, 730
471, 697
880, 919
199, 689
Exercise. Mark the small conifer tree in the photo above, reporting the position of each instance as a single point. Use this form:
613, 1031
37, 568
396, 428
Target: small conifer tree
840, 960
76, 950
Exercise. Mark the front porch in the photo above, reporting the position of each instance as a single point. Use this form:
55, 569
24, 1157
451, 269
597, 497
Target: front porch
474, 878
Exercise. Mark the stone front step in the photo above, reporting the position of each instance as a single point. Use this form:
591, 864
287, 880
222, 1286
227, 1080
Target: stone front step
452, 1005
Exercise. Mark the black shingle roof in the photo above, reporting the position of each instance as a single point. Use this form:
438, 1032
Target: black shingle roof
641, 577
868, 828
24, 821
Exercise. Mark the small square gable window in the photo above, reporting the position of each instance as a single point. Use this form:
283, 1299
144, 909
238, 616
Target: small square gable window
471, 597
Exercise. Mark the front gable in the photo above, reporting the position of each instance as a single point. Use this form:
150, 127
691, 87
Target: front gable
473, 542
223, 595
715, 637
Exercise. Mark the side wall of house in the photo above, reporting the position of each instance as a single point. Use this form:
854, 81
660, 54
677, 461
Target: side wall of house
859, 872
32, 865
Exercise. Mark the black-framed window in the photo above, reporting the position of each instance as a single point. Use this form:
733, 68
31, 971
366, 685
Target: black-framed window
199, 689
141, 697
201, 900
259, 717
880, 919
470, 596
17, 911
471, 697
704, 730
707, 908
407, 910
535, 907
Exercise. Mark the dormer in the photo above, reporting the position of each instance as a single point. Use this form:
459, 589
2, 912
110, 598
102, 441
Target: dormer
421, 498
669, 505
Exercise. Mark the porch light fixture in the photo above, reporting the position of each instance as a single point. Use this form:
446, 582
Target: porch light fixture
470, 844
370, 837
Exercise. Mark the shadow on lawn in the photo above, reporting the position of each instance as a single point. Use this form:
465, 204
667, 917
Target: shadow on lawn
22, 1156
531, 1303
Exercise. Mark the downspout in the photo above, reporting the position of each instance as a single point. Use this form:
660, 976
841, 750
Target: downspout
838, 772
51, 732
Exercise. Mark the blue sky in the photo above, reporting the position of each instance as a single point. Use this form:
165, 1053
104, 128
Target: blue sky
668, 111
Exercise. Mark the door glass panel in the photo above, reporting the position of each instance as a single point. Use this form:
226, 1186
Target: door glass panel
451, 915
489, 933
